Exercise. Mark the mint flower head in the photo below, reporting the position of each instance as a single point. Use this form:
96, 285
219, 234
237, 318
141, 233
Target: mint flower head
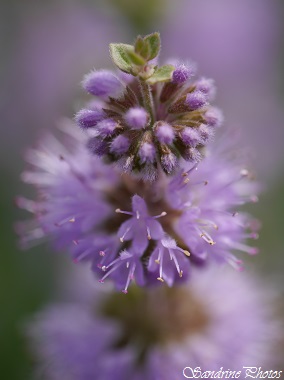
148, 118
159, 334
142, 224
133, 230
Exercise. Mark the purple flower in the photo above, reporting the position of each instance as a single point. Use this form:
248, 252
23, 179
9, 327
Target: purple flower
88, 118
182, 73
223, 319
196, 100
128, 229
165, 133
148, 109
136, 118
103, 84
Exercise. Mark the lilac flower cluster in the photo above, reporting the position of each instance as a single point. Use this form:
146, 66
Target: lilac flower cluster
129, 229
151, 225
155, 334
145, 125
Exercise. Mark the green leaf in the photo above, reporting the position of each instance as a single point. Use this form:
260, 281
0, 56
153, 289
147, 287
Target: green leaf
135, 58
154, 43
142, 48
121, 57
139, 44
162, 74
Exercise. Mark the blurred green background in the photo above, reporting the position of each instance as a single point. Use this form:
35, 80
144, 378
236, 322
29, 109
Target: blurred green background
47, 46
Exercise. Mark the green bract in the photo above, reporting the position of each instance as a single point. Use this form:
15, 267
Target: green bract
120, 56
161, 74
135, 59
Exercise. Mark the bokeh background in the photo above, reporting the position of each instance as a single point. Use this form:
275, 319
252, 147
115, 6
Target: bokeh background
45, 49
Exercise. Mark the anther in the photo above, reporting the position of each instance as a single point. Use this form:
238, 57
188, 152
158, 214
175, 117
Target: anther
207, 238
159, 216
160, 279
187, 253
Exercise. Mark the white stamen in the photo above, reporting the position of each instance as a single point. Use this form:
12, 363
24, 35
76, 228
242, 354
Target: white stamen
129, 278
123, 236
118, 211
159, 216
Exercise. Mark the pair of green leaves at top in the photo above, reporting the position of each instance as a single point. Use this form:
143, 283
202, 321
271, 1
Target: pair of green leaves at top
134, 59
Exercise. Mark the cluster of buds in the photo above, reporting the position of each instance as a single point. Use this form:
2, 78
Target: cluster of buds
148, 117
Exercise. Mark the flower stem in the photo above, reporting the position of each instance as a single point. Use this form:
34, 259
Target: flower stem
147, 98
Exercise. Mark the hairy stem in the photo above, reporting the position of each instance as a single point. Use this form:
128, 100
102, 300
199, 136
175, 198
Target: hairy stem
147, 99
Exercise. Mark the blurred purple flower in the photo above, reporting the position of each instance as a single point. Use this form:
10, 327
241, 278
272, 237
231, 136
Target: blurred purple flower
223, 319
129, 229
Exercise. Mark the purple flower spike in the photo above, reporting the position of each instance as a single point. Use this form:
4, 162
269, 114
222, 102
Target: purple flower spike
120, 145
89, 118
195, 100
136, 118
158, 131
217, 323
103, 83
164, 132
181, 74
